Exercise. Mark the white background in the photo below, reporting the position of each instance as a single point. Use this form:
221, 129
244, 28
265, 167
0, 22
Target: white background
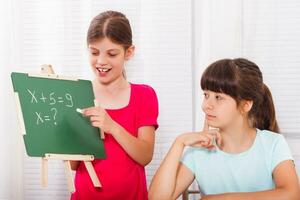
175, 40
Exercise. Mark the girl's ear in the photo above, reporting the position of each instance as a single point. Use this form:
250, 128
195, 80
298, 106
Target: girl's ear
129, 52
246, 106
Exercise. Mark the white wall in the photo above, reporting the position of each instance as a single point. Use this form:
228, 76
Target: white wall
11, 146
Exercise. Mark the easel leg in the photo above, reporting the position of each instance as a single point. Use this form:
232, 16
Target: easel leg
69, 176
44, 172
92, 173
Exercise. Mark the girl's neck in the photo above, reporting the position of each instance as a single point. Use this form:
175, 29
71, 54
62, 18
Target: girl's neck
114, 95
237, 138
113, 87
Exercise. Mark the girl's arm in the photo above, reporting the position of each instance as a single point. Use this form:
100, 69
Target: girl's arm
287, 187
138, 148
173, 177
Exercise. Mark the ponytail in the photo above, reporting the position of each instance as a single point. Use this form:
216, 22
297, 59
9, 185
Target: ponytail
265, 118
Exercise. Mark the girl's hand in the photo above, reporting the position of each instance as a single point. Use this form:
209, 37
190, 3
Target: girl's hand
205, 139
99, 118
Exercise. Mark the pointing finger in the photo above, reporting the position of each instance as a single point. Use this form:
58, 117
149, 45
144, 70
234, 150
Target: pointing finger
205, 126
97, 104
219, 139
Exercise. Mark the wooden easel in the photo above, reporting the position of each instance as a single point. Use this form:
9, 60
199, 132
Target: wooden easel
66, 158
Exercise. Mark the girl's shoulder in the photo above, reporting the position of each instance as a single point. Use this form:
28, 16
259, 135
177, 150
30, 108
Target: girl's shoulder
269, 135
143, 89
270, 138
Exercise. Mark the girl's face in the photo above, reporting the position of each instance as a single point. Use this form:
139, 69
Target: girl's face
107, 59
220, 109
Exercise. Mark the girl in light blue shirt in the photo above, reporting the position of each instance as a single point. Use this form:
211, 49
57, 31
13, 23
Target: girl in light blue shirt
239, 155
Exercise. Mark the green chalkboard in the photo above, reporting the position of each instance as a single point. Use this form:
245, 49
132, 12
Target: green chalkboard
50, 121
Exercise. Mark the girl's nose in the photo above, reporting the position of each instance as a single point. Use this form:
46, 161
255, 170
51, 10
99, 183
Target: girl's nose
207, 105
101, 60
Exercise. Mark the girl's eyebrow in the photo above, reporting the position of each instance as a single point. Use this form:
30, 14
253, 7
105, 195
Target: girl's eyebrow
117, 50
93, 48
114, 50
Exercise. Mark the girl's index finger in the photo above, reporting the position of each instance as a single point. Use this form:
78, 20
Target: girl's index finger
205, 126
217, 136
79, 110
83, 110
97, 104
88, 111
93, 111
219, 139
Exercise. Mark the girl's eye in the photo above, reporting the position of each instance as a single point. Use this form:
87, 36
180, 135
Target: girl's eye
205, 95
218, 97
112, 55
94, 53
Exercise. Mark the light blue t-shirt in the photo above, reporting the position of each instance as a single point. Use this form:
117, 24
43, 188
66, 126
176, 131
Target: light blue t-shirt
219, 172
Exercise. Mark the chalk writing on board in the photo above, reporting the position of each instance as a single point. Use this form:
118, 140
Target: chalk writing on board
43, 118
51, 99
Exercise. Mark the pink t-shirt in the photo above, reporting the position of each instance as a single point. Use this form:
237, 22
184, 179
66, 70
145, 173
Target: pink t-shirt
121, 177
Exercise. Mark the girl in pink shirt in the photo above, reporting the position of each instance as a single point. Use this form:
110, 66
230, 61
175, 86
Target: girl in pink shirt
128, 116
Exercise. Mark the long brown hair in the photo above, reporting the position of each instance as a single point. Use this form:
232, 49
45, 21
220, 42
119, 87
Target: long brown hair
242, 80
113, 25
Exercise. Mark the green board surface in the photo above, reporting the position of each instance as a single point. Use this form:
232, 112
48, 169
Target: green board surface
51, 122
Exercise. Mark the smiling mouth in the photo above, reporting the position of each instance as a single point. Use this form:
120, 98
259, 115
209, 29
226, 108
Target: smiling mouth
102, 70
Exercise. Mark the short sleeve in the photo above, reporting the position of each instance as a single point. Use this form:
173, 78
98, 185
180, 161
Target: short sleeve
188, 160
148, 110
281, 152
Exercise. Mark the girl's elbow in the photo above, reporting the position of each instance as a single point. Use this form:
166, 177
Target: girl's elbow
146, 160
143, 162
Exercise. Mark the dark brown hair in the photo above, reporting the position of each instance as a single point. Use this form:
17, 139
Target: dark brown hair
113, 25
242, 80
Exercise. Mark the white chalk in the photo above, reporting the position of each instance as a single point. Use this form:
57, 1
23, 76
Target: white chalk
97, 104
79, 110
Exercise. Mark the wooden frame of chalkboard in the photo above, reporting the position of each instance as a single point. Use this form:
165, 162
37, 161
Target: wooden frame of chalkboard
52, 129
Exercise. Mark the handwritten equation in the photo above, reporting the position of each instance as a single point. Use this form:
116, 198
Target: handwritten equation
53, 101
